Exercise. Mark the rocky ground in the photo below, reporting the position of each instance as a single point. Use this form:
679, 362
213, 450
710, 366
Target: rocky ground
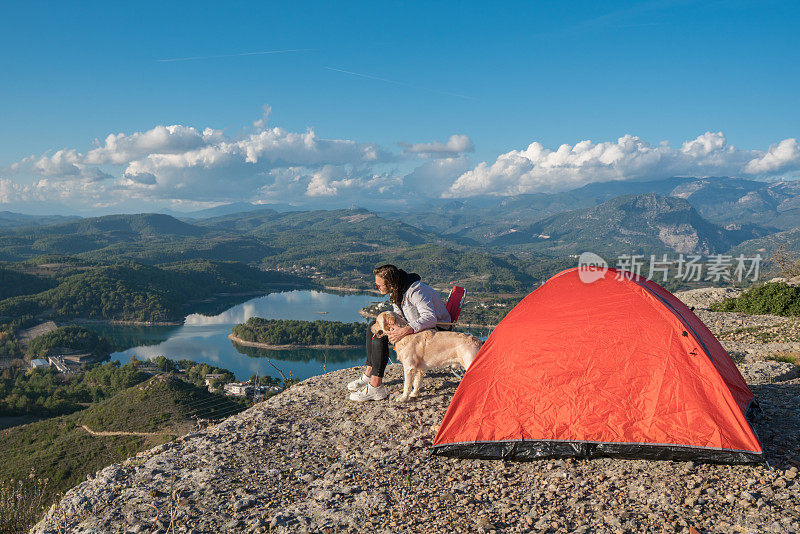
748, 338
311, 460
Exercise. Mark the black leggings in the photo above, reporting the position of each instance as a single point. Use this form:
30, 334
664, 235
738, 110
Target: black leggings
377, 352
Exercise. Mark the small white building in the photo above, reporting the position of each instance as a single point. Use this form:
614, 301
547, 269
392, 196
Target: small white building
39, 363
240, 389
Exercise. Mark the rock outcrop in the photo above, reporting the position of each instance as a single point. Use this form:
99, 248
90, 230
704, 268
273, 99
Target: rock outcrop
311, 460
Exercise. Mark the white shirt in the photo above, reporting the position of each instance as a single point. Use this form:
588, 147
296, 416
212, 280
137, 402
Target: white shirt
422, 307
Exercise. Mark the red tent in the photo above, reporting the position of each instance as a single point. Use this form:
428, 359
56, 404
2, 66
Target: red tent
617, 366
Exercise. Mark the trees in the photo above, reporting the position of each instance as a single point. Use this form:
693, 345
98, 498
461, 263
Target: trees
71, 337
164, 364
136, 292
292, 332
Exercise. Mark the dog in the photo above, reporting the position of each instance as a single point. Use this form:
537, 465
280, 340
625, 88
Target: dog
425, 350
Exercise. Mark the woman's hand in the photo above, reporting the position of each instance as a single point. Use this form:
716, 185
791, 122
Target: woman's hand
396, 333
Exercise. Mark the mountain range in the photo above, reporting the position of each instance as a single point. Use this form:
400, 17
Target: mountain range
720, 200
476, 237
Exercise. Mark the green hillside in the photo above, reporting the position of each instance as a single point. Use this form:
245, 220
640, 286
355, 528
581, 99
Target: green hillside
10, 219
147, 238
63, 452
13, 283
47, 393
124, 227
71, 337
301, 234
137, 292
343, 246
94, 233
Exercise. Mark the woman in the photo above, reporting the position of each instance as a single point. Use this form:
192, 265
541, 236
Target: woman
422, 308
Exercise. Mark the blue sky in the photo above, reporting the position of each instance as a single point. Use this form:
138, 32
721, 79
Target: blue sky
367, 76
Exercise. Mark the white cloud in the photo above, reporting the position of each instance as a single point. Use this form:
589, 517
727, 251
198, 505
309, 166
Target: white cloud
120, 148
706, 144
65, 163
785, 156
180, 162
457, 144
321, 184
435, 176
538, 169
278, 146
12, 191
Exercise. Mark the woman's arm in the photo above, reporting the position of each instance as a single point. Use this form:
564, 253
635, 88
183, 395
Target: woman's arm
396, 333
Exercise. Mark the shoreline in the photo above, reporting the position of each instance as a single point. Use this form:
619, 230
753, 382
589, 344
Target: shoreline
177, 322
257, 345
350, 289
121, 322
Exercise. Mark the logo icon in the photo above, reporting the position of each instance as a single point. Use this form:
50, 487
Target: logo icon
591, 267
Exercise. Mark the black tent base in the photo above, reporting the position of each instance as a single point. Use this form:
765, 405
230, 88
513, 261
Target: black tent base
526, 450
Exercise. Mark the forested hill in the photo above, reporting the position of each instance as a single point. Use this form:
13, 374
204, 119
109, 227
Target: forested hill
126, 226
148, 238
291, 332
10, 219
13, 283
356, 227
132, 291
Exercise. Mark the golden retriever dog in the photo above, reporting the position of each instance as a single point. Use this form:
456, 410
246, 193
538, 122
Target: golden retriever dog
425, 350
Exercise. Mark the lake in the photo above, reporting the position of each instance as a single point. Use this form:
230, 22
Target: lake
204, 338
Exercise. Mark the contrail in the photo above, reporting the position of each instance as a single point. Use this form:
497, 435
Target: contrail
395, 82
235, 55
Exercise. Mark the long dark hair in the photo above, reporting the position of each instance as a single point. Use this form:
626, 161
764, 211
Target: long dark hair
391, 275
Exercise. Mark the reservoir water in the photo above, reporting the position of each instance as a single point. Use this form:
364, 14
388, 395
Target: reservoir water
204, 338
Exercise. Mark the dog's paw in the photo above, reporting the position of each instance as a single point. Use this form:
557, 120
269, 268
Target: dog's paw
402, 398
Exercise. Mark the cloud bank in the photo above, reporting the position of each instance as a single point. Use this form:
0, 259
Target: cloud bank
189, 167
183, 164
539, 169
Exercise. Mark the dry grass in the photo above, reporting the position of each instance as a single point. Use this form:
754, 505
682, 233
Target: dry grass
22, 503
788, 264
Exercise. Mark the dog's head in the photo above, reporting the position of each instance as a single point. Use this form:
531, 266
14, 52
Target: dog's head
385, 321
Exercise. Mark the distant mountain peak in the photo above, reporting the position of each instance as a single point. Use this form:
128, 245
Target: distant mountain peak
628, 224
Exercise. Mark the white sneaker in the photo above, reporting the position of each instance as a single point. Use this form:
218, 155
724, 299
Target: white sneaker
368, 393
357, 384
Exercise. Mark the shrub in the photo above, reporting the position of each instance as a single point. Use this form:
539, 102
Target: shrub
771, 298
786, 357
